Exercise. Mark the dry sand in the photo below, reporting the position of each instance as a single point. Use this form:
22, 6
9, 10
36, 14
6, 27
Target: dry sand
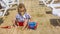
38, 14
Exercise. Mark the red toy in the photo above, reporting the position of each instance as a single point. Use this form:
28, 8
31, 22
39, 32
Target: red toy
6, 27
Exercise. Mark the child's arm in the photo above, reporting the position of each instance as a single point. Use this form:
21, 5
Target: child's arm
15, 22
30, 20
25, 24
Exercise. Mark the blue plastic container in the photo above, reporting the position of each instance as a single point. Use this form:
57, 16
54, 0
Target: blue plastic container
32, 25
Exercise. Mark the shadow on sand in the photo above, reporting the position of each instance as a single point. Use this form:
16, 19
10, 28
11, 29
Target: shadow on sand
1, 21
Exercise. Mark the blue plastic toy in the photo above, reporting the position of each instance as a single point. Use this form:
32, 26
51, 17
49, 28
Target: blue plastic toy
32, 25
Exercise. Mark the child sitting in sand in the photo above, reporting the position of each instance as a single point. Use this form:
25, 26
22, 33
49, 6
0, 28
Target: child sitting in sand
22, 18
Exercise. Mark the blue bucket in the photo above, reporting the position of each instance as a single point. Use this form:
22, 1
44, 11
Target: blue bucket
32, 25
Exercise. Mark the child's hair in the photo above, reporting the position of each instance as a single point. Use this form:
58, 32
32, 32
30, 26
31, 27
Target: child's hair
20, 6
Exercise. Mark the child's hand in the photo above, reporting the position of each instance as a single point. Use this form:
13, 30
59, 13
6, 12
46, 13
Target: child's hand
23, 28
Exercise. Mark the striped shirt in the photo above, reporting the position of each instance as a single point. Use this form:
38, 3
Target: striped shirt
21, 18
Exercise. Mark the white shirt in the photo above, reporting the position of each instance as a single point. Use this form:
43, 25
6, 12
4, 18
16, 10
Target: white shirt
21, 18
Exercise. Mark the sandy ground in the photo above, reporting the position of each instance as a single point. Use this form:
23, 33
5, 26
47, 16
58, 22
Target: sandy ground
38, 14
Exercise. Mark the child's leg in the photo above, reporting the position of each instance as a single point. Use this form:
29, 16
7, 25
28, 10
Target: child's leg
20, 25
25, 24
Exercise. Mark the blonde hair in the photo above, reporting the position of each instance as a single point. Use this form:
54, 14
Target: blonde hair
20, 6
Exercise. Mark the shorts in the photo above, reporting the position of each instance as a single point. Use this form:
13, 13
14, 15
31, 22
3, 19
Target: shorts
20, 23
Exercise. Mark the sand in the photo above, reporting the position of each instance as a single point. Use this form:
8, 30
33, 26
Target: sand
38, 13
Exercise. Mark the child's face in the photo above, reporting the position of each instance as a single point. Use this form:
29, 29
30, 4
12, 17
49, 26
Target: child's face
21, 9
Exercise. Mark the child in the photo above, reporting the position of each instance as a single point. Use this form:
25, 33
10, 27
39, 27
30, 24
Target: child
22, 18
